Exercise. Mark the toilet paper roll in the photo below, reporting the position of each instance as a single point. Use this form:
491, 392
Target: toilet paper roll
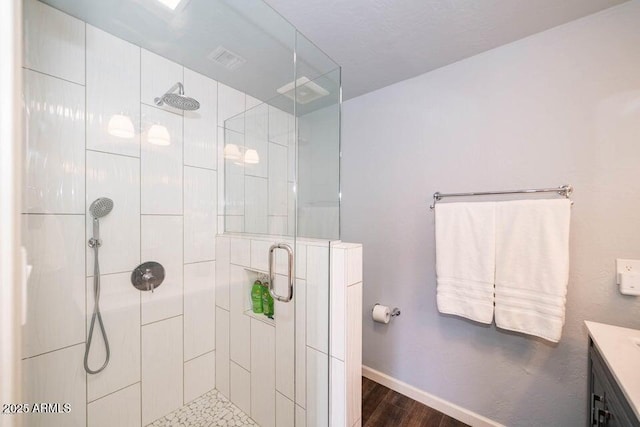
381, 313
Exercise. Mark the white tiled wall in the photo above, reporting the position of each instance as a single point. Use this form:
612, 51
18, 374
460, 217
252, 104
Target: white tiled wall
113, 87
56, 284
101, 412
199, 313
56, 377
165, 209
191, 334
292, 367
120, 305
259, 196
162, 368
61, 136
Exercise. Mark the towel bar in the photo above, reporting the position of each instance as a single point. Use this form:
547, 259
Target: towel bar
564, 190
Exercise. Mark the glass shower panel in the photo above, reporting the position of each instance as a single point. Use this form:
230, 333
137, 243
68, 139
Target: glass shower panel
206, 193
318, 104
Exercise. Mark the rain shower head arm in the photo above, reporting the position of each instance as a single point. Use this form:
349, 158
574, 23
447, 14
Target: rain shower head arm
177, 86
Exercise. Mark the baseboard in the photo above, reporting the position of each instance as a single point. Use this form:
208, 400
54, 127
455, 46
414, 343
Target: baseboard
448, 408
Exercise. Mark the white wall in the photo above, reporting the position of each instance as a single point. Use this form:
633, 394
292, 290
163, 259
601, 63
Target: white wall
76, 77
560, 107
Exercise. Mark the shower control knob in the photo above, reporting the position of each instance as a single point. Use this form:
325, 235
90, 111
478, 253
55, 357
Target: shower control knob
147, 276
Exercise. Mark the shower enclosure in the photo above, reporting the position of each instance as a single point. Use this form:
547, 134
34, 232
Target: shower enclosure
213, 128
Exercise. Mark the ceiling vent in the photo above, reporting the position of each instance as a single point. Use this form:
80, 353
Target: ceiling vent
226, 58
303, 91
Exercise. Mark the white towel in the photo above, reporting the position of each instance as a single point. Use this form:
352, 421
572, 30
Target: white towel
532, 266
465, 259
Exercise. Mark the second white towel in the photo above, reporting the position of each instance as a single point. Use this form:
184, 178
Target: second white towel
532, 266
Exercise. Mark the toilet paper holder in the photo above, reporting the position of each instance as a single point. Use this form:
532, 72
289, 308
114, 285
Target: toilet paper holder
394, 313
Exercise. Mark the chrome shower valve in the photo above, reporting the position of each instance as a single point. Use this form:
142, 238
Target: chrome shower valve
94, 243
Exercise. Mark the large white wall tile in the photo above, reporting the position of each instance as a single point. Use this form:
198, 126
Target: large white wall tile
278, 225
55, 290
256, 205
162, 368
285, 411
233, 176
120, 409
200, 219
300, 300
54, 155
278, 126
222, 271
354, 353
222, 351
158, 75
256, 127
240, 382
318, 297
234, 223
113, 89
53, 42
120, 309
240, 251
278, 186
338, 393
161, 164
257, 120
261, 146
200, 126
240, 332
199, 309
162, 242
301, 260
285, 342
199, 376
56, 377
353, 265
301, 417
263, 373
338, 302
116, 177
231, 102
317, 388
260, 254
221, 172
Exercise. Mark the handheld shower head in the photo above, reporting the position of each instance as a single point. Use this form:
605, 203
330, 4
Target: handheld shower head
177, 100
101, 207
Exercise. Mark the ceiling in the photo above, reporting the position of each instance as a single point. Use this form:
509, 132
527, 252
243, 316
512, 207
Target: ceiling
377, 42
193, 31
381, 42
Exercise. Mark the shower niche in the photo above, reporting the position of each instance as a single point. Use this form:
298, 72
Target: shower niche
208, 162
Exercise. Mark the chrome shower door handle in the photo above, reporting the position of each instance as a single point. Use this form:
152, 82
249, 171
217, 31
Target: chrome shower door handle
272, 275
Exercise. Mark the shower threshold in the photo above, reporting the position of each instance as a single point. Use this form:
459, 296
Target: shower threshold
210, 409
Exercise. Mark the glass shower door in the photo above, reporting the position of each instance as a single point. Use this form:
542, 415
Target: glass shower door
281, 204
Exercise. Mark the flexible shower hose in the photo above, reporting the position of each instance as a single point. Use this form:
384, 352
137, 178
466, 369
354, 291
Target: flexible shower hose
96, 315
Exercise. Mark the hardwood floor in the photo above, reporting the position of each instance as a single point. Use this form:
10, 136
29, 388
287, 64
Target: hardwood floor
384, 407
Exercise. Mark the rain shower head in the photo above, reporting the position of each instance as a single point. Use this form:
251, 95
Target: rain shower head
177, 100
101, 207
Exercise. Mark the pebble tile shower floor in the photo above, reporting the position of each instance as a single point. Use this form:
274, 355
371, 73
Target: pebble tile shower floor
210, 409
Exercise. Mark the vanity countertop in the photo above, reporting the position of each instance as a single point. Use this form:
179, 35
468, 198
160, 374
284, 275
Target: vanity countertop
620, 349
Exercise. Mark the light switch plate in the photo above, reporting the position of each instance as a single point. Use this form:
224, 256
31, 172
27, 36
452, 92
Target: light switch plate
626, 266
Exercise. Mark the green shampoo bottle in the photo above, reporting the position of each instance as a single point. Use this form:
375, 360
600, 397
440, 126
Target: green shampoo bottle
267, 303
257, 298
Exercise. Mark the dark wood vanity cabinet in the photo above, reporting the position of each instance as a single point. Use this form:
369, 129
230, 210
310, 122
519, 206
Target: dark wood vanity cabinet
608, 406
